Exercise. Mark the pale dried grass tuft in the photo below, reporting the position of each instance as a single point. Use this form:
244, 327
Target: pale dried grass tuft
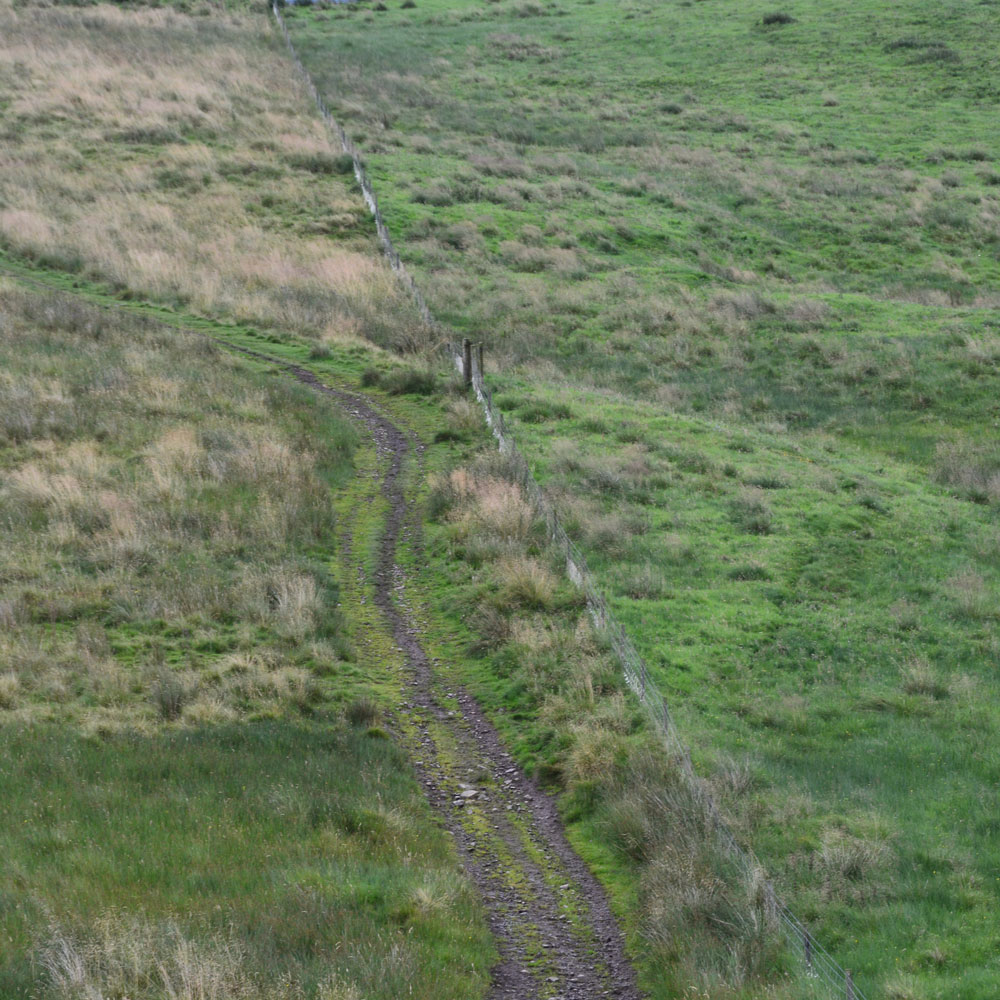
973, 597
10, 684
490, 505
122, 956
918, 677
852, 867
595, 754
525, 582
973, 469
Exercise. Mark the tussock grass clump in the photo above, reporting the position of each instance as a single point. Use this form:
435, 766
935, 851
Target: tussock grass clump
972, 468
478, 501
410, 382
401, 381
852, 867
920, 678
9, 685
322, 163
749, 571
751, 512
169, 694
526, 583
362, 712
973, 597
613, 532
645, 583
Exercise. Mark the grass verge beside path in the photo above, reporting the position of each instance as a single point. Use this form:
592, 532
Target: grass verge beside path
578, 724
194, 811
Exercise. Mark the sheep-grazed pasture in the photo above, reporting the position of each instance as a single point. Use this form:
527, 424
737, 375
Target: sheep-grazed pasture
737, 270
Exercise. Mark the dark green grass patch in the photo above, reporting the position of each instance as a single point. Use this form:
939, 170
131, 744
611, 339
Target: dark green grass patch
303, 848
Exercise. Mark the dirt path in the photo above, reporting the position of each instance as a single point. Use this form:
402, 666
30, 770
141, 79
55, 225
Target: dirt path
557, 937
554, 929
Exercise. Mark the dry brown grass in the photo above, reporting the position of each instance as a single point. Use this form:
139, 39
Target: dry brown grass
126, 956
117, 513
488, 505
174, 156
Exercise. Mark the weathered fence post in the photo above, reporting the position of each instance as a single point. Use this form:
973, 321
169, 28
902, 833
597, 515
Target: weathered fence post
807, 943
467, 361
770, 902
479, 360
850, 984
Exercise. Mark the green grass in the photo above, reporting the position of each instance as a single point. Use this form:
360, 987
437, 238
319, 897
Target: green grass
190, 801
279, 849
726, 257
740, 280
847, 653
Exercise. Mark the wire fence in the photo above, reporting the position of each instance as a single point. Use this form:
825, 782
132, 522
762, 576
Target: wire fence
825, 975
820, 966
360, 174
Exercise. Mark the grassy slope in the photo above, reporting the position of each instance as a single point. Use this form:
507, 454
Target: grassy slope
191, 801
194, 814
768, 256
174, 157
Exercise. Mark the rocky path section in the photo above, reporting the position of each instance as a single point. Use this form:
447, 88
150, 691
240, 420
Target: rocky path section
555, 932
557, 937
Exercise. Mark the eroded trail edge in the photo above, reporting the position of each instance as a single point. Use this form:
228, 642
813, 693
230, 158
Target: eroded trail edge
554, 928
555, 932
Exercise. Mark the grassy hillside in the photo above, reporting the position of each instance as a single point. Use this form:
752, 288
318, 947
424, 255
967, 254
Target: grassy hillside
175, 157
690, 204
203, 800
739, 272
195, 816
739, 269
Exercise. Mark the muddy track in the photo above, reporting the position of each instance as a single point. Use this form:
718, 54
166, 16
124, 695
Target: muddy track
555, 932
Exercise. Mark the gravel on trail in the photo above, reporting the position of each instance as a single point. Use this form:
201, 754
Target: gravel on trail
550, 917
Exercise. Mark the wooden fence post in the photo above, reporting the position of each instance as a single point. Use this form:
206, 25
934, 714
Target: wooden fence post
467, 361
479, 359
850, 985
809, 950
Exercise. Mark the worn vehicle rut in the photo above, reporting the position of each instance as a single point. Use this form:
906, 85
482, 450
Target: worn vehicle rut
556, 934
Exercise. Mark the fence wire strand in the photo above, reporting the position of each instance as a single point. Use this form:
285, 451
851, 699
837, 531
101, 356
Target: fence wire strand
820, 966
